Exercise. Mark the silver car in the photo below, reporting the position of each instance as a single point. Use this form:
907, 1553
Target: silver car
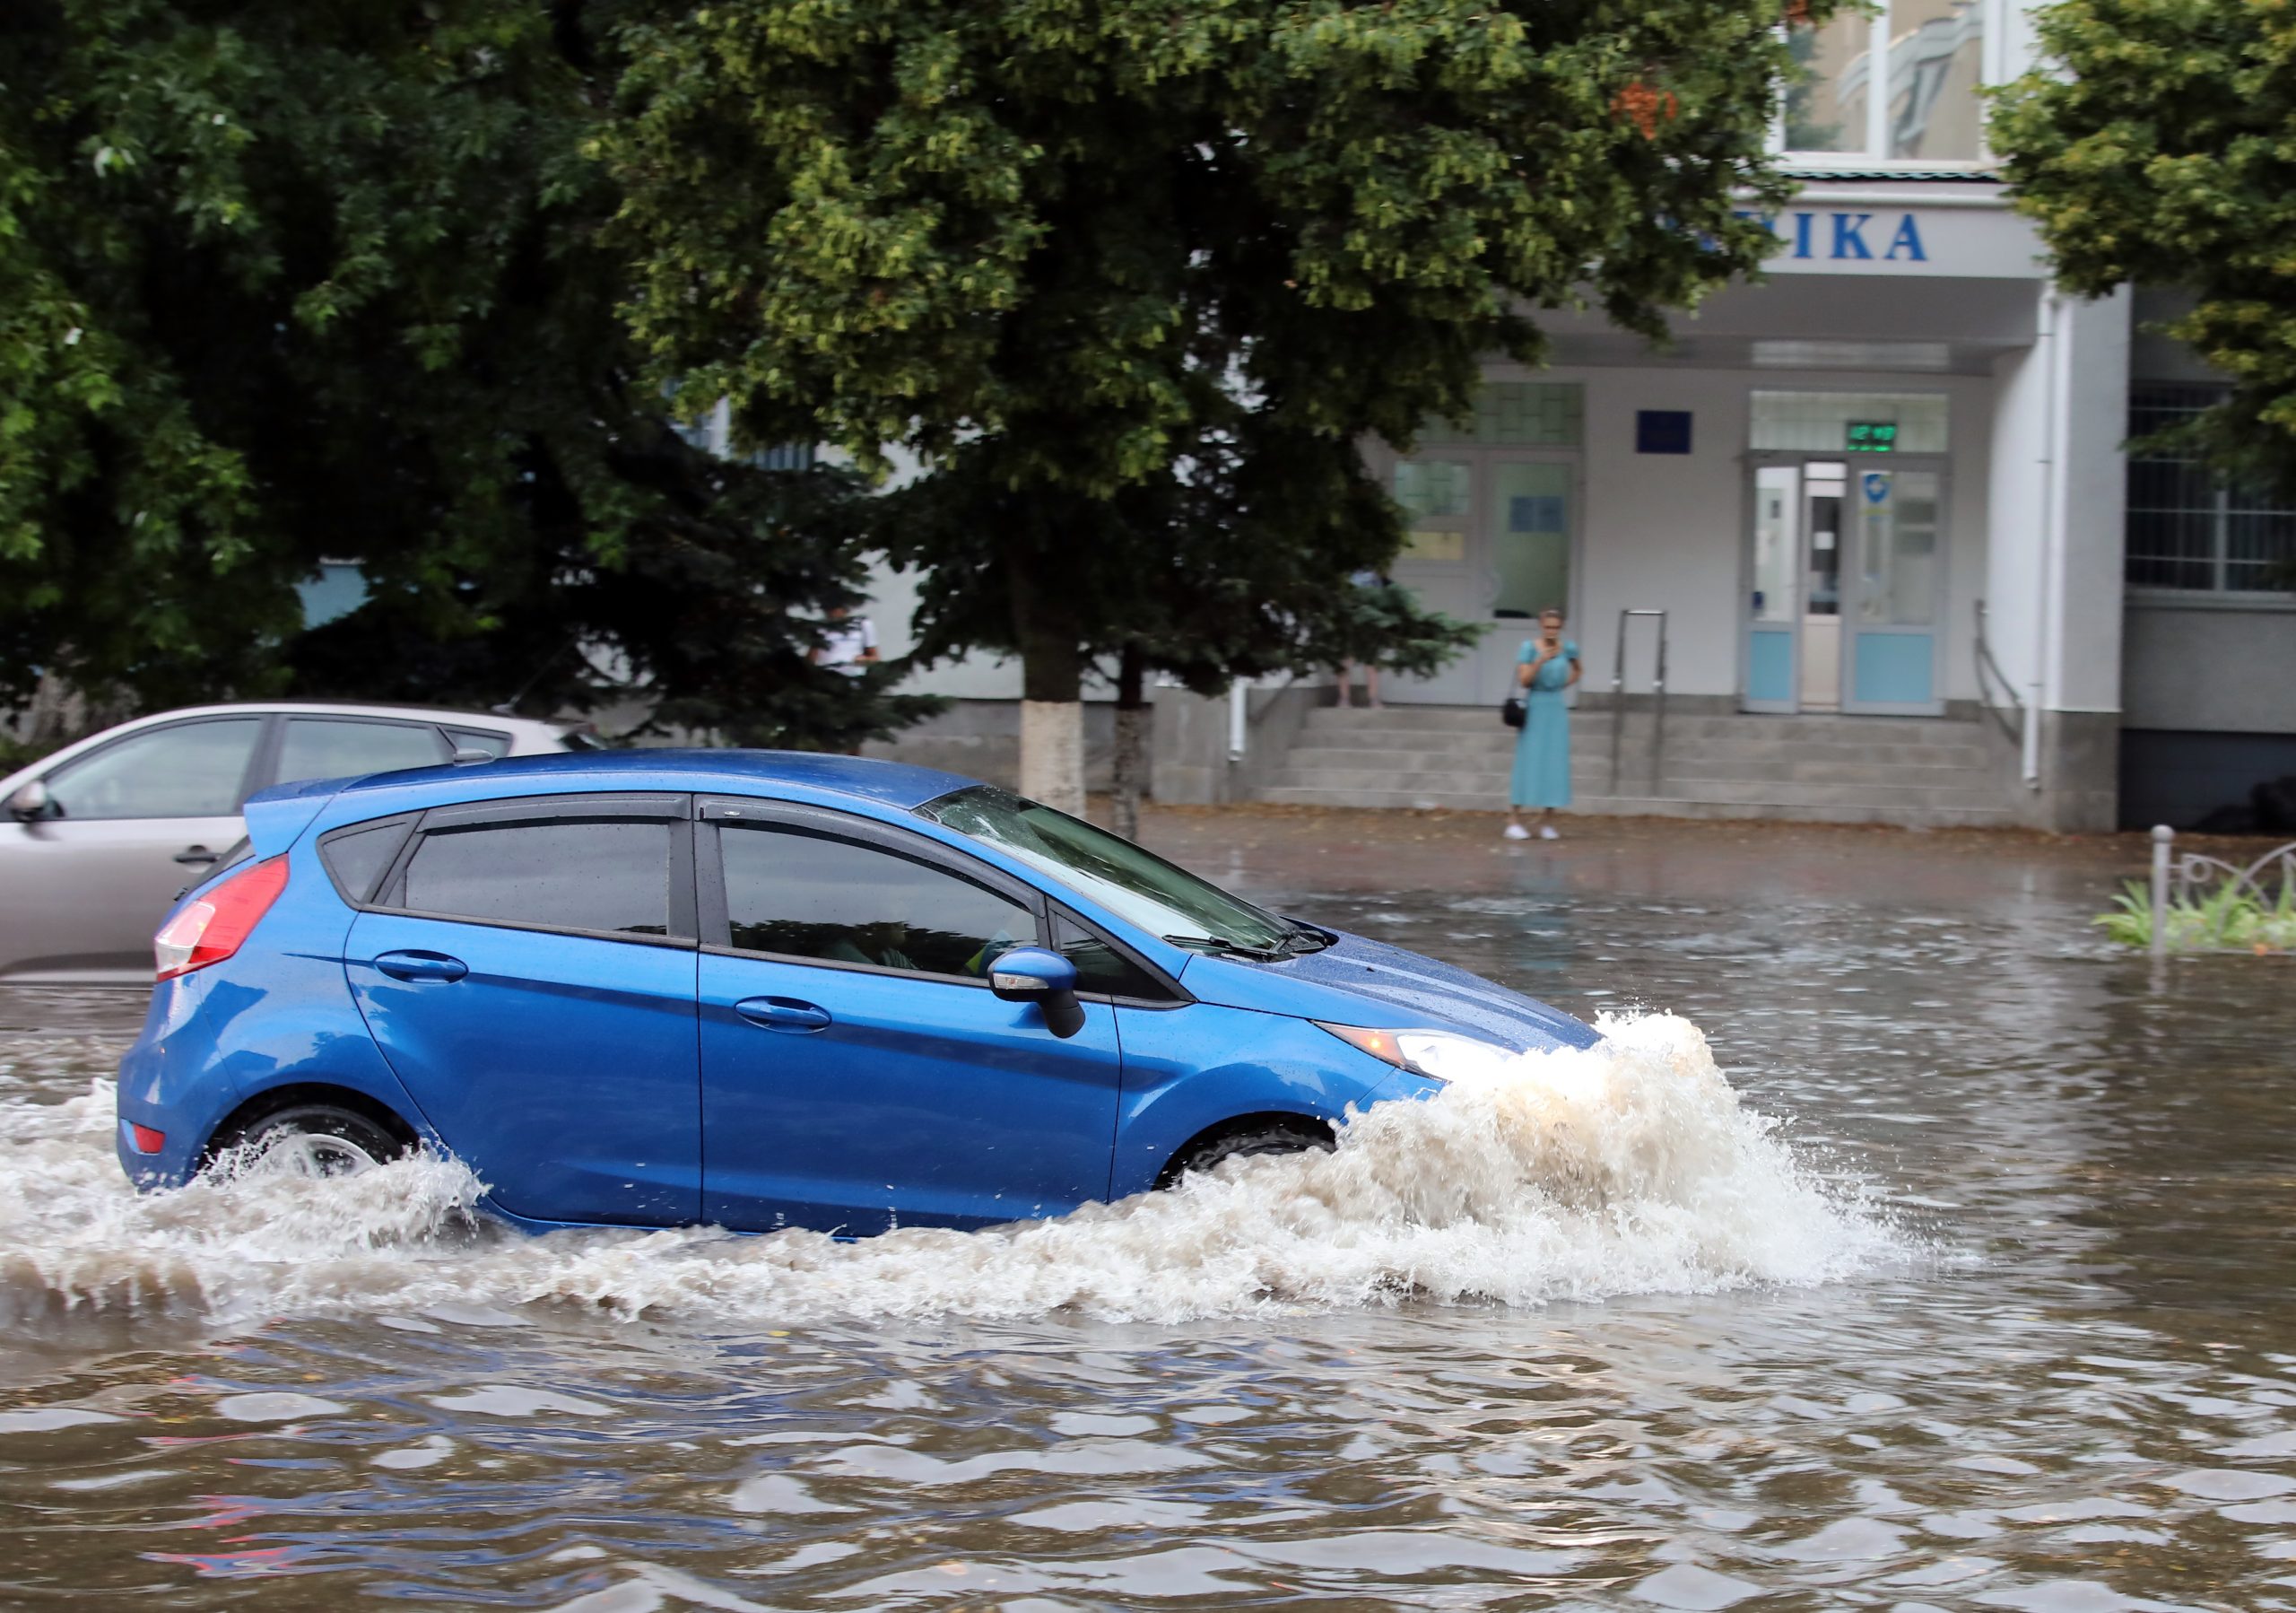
98, 838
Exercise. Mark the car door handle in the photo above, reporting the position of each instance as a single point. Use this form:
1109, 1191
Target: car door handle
783, 1014
421, 966
191, 856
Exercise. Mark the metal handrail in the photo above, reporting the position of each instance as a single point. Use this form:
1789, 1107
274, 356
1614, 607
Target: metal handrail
1658, 701
2181, 879
1985, 663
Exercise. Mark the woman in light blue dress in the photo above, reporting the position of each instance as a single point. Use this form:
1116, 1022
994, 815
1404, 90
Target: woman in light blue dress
1548, 666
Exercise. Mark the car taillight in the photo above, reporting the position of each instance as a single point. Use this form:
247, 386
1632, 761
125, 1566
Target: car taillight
147, 1141
213, 927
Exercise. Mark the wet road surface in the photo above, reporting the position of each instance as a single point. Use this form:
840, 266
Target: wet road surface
1976, 1294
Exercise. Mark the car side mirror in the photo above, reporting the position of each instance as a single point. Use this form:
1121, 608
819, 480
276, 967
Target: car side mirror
1030, 974
31, 800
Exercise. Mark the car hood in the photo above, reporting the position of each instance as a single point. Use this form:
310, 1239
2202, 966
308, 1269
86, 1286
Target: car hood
1365, 982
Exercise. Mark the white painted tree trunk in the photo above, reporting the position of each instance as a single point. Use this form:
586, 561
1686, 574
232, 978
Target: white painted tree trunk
1052, 753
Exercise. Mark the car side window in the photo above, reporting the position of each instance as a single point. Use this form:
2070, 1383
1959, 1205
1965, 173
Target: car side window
804, 895
188, 770
330, 747
357, 859
1101, 968
604, 874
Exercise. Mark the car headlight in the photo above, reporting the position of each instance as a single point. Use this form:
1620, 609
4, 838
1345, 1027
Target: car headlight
1439, 1055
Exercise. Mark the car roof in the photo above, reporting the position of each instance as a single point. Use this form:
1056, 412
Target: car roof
898, 785
352, 708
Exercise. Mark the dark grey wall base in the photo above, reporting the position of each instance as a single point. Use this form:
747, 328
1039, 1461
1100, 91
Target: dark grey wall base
2080, 756
2183, 778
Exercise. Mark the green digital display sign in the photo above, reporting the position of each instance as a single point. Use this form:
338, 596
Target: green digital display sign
1872, 436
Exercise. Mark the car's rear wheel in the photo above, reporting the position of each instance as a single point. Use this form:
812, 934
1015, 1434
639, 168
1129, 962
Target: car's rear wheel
1245, 1142
319, 1140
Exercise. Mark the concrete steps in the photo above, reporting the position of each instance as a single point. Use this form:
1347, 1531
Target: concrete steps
1913, 772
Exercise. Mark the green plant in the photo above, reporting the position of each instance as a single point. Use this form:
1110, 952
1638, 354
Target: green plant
2150, 145
2231, 917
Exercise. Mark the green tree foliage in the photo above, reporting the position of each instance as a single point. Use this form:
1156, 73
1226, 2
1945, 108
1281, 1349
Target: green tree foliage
2159, 145
289, 279
1134, 278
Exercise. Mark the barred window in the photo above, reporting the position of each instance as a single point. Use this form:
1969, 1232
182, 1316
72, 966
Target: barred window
2188, 527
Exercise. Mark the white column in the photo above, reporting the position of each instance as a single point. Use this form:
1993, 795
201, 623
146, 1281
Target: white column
2018, 509
2057, 495
2083, 661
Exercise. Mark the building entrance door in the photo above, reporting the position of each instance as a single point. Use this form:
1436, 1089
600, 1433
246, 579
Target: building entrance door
1846, 575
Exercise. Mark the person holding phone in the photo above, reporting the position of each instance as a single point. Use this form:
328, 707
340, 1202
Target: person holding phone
1547, 667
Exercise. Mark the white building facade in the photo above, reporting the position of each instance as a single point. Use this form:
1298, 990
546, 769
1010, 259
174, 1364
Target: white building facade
1887, 485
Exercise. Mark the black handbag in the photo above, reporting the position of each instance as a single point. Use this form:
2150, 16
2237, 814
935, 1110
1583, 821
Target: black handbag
1511, 712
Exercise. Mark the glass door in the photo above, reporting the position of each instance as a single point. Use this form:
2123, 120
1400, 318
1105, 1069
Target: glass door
1437, 491
1893, 590
1793, 653
1773, 637
1824, 487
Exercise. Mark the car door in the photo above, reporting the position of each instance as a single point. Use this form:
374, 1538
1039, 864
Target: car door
527, 968
857, 1071
127, 825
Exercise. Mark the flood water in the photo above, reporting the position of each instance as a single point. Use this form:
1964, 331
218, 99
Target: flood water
1957, 1275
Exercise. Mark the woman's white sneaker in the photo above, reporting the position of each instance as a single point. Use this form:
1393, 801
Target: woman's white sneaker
1546, 831
1517, 831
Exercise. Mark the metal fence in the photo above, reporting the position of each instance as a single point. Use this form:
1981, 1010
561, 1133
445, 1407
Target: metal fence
2212, 888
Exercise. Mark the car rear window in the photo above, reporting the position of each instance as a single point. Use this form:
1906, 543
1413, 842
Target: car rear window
602, 875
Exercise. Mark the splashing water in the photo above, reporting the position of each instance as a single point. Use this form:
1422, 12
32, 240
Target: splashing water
1627, 1168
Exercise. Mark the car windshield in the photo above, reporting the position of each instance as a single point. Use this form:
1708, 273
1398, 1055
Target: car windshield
1135, 884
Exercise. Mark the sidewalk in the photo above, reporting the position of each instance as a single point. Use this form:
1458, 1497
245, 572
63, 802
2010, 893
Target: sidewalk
1363, 849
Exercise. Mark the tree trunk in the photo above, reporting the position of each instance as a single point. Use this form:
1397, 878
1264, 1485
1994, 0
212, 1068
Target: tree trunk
1052, 686
1133, 716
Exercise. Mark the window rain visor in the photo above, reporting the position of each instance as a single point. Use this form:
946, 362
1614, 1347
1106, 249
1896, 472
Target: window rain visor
1136, 885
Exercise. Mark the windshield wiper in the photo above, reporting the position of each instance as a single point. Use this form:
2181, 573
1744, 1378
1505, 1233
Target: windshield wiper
1305, 938
1226, 948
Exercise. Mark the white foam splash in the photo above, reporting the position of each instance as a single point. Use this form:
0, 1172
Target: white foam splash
1627, 1168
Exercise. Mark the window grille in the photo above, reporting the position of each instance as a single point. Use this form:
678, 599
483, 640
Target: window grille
2190, 529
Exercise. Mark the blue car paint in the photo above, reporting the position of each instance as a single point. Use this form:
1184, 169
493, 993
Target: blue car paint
921, 1102
1414, 992
276, 818
215, 1037
1188, 1069
516, 1060
958, 1114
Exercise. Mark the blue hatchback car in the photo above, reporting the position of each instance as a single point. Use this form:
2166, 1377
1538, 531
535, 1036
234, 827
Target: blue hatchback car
762, 989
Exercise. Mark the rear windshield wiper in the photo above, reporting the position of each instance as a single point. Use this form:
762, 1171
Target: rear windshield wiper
1226, 948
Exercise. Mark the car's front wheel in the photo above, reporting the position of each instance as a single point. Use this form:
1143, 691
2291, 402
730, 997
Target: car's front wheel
1275, 1136
318, 1140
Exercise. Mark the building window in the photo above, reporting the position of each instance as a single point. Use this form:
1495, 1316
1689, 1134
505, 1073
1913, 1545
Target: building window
1849, 422
2189, 528
787, 456
1929, 58
1515, 415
